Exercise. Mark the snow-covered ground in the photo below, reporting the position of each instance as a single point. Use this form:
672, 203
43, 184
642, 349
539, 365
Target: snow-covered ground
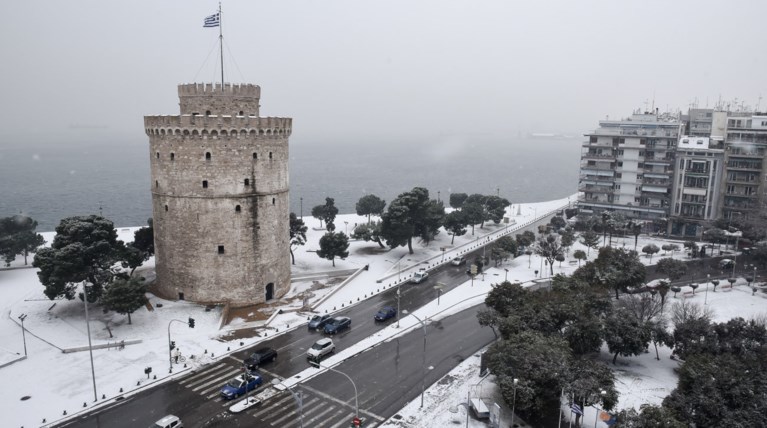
56, 326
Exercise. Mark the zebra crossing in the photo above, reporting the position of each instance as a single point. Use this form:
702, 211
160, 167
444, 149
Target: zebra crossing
279, 408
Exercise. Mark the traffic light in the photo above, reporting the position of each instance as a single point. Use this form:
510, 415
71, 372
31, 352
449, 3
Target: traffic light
191, 322
172, 344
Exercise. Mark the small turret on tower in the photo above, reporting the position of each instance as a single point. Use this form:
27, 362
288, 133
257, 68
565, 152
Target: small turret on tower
208, 99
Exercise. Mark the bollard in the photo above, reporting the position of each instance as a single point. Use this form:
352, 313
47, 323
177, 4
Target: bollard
211, 355
334, 308
155, 377
350, 302
121, 390
65, 413
358, 299
227, 348
85, 404
43, 420
206, 351
103, 396
342, 305
242, 343
184, 365
138, 383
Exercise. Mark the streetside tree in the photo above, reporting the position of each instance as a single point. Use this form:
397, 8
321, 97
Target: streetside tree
369, 232
617, 269
455, 224
567, 238
557, 222
329, 214
649, 415
318, 212
473, 213
412, 214
626, 335
457, 200
297, 234
650, 249
18, 236
369, 205
508, 244
141, 249
674, 270
580, 255
549, 247
124, 296
635, 228
526, 239
85, 248
585, 380
333, 245
590, 239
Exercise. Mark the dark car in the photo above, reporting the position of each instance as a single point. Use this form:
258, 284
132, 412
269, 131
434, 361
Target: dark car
385, 313
260, 356
241, 385
337, 325
318, 321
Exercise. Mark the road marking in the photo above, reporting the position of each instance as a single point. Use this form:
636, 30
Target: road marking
343, 403
200, 377
267, 409
215, 380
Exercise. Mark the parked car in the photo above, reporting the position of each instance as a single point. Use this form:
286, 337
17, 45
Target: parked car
337, 325
419, 277
726, 264
318, 321
241, 385
320, 349
385, 313
260, 356
457, 261
169, 421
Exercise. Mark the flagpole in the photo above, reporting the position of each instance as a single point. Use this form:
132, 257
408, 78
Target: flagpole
221, 43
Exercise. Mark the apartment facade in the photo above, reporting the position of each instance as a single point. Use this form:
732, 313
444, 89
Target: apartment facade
627, 167
744, 164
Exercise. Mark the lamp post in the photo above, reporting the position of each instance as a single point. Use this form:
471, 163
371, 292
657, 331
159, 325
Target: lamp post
708, 282
301, 199
506, 275
346, 227
514, 401
596, 417
298, 397
439, 287
90, 346
438, 195
423, 362
23, 336
735, 257
356, 403
190, 323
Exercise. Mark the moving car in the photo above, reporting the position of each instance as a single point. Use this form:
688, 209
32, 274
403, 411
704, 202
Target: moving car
318, 321
320, 349
260, 356
241, 385
337, 325
169, 421
385, 313
726, 264
419, 277
457, 261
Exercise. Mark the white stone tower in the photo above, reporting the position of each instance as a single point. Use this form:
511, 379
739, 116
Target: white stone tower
220, 201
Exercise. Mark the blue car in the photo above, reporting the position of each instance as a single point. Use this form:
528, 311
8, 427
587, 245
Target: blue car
337, 325
241, 385
318, 321
385, 313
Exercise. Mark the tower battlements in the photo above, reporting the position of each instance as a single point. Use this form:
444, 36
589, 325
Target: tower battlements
214, 89
195, 124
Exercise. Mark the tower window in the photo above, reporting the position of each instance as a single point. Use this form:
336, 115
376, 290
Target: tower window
270, 155
247, 182
241, 113
207, 155
255, 155
204, 184
157, 155
166, 208
273, 200
220, 249
237, 209
172, 156
207, 112
156, 184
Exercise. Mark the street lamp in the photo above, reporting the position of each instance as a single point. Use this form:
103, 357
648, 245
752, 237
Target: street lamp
506, 275
23, 336
346, 227
708, 282
514, 401
190, 323
423, 363
356, 403
298, 397
90, 346
302, 207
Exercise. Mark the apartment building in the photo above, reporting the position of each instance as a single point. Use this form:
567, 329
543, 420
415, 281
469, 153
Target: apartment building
744, 165
627, 167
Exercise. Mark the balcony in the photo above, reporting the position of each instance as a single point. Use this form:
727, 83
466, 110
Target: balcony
697, 172
744, 166
597, 178
598, 157
587, 188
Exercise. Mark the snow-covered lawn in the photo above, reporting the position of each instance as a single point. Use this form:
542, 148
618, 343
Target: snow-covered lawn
60, 325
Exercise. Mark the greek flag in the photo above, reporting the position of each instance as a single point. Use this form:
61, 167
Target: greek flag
576, 409
212, 20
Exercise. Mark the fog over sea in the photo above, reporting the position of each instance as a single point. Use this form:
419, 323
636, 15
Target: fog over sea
94, 173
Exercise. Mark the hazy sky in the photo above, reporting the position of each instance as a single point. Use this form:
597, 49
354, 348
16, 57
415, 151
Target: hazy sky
396, 69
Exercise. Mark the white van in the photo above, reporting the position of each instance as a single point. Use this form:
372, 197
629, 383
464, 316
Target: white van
169, 421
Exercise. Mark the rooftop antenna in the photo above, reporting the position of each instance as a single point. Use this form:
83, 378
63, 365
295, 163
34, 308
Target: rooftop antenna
758, 103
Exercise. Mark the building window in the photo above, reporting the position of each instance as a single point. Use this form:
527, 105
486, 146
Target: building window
255, 155
207, 155
172, 156
247, 182
242, 113
207, 112
204, 184
237, 209
220, 249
